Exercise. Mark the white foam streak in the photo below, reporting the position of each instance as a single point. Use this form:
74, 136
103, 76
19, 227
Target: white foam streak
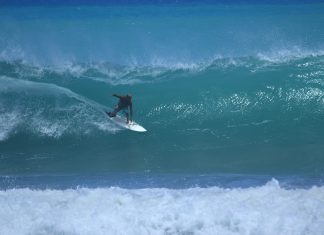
154, 68
287, 54
12, 53
8, 122
48, 128
64, 111
265, 210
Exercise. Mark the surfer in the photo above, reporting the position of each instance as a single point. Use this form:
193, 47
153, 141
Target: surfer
124, 103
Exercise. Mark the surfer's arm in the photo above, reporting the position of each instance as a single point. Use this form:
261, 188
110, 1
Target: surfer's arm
118, 96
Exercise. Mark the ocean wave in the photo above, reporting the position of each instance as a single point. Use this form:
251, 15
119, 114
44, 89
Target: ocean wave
230, 92
163, 69
286, 55
48, 110
308, 101
268, 209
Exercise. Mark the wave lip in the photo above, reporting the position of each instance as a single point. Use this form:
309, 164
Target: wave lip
285, 55
159, 68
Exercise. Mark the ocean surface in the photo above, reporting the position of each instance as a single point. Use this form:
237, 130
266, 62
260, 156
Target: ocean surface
232, 96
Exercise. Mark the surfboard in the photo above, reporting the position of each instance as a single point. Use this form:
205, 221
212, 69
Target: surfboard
120, 121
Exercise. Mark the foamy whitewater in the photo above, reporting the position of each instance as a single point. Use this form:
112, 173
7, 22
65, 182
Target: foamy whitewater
232, 96
268, 209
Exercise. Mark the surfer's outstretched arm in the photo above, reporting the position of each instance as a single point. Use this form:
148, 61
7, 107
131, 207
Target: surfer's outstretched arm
118, 96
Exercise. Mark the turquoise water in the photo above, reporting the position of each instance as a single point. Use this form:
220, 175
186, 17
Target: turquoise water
232, 97
249, 117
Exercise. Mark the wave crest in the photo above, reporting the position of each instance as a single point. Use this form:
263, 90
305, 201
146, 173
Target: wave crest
160, 70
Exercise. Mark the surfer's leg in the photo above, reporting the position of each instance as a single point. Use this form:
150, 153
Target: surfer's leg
127, 117
125, 111
114, 113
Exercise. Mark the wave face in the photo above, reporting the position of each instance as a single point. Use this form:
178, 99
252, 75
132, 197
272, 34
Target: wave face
215, 95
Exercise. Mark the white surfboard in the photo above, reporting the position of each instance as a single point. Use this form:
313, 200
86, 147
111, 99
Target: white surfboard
120, 121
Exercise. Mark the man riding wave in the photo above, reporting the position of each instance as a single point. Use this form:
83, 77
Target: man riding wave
124, 103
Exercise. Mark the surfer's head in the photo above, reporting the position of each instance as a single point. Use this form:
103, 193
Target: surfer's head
129, 95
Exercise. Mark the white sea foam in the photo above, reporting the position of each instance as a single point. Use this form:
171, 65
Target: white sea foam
106, 126
306, 95
133, 72
287, 54
11, 53
8, 122
48, 110
265, 210
48, 127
